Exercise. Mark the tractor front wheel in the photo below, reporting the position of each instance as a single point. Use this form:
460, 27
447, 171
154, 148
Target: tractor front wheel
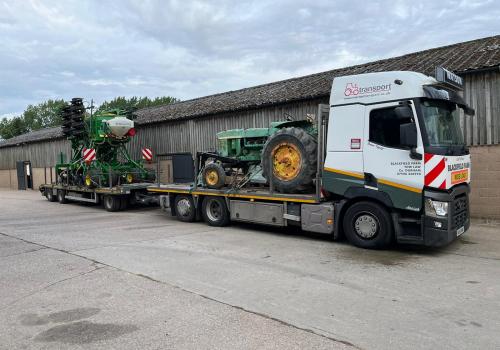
214, 176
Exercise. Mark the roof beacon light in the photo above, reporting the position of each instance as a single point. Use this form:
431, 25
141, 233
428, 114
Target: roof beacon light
448, 78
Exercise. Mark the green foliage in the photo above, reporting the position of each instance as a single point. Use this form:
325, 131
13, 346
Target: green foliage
45, 114
136, 102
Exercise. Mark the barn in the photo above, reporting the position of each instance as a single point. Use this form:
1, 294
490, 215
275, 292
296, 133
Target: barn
191, 125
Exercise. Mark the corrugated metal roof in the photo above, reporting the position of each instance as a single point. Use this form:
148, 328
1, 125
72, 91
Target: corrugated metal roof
460, 58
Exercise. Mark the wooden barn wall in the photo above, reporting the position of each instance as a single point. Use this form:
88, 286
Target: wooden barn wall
199, 134
482, 92
40, 154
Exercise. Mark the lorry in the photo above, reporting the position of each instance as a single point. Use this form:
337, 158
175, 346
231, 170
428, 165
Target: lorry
385, 161
101, 169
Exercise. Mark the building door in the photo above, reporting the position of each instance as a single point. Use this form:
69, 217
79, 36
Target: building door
183, 167
24, 175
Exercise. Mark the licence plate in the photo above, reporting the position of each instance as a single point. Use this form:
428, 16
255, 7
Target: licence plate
460, 231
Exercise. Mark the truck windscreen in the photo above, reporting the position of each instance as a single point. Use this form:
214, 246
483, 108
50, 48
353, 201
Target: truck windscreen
442, 126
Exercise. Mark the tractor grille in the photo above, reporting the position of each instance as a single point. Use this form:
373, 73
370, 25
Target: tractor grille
460, 211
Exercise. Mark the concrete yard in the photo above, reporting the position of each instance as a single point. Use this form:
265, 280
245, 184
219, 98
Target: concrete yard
76, 276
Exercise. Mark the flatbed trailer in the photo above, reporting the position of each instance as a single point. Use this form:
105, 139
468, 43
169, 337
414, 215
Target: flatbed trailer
255, 204
114, 198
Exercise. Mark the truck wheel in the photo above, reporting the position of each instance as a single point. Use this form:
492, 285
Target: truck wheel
368, 225
61, 196
112, 203
214, 176
184, 208
49, 194
289, 156
214, 211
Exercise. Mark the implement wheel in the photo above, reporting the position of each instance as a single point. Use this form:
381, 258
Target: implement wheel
214, 211
214, 176
289, 157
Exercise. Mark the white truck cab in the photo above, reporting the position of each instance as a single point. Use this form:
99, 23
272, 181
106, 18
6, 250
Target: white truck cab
394, 143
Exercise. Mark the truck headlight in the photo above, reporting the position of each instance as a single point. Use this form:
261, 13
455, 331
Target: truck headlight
436, 208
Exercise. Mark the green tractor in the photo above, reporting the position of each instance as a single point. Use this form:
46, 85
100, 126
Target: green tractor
284, 153
99, 156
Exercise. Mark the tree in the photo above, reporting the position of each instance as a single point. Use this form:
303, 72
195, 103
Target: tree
46, 114
12, 127
136, 102
35, 117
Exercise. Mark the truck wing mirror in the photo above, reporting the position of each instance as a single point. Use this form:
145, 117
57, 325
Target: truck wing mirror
408, 138
404, 112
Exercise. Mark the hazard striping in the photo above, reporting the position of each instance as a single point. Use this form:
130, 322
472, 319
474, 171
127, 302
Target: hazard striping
147, 154
89, 154
435, 171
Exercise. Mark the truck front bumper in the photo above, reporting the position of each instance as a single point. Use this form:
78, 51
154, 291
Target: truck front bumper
435, 237
437, 231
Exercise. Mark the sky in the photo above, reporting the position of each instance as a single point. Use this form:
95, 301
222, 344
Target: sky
186, 49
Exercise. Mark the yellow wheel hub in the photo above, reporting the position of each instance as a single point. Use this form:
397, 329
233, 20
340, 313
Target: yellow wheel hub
287, 161
88, 180
129, 178
212, 177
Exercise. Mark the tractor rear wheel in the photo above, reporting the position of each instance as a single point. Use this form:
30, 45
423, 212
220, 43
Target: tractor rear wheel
289, 157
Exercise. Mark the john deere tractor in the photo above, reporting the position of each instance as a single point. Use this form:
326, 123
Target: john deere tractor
99, 157
284, 153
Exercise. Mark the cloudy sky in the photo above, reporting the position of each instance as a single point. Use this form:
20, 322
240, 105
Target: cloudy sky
102, 49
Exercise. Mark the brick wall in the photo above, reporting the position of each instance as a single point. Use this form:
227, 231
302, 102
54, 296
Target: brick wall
485, 182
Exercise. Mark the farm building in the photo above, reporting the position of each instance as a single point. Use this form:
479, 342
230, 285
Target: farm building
191, 125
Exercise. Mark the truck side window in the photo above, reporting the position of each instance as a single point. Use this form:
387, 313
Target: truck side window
384, 127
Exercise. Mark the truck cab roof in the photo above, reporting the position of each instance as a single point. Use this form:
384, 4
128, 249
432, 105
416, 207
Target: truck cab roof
379, 87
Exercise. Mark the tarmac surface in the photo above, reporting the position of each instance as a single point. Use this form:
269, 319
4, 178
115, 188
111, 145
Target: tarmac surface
75, 276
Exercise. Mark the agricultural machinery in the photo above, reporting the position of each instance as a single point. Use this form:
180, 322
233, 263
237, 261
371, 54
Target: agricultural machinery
99, 156
284, 154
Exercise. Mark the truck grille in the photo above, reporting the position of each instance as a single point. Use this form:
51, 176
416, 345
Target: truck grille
460, 211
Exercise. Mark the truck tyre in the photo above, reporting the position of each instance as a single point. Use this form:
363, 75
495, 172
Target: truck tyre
124, 201
61, 196
49, 194
368, 225
184, 208
289, 156
112, 203
214, 176
214, 211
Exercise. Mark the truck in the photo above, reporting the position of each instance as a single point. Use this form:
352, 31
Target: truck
384, 162
101, 169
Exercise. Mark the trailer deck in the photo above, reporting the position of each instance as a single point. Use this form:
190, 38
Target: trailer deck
252, 193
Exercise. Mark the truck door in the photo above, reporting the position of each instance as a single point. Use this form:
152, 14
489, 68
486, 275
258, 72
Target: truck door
387, 165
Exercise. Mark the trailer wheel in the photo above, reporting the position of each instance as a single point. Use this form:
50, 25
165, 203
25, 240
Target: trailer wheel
289, 157
214, 211
49, 194
214, 176
368, 225
124, 201
61, 196
184, 208
112, 203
